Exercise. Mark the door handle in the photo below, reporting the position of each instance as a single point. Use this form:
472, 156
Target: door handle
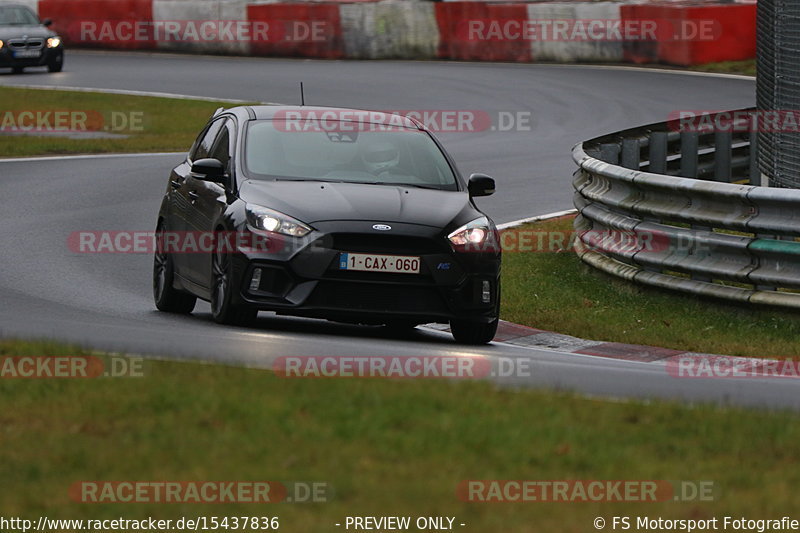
175, 184
194, 196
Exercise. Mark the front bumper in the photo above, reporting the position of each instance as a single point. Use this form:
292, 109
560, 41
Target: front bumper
304, 279
47, 56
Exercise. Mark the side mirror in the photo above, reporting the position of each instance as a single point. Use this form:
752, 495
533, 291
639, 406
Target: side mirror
480, 185
47, 22
209, 170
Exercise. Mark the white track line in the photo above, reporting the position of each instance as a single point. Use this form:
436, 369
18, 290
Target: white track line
658, 69
177, 55
536, 218
129, 93
86, 156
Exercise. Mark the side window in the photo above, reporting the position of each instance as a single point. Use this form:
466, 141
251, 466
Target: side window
222, 146
202, 147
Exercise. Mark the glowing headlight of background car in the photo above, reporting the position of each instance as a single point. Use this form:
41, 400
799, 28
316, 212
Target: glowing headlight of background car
262, 218
53, 42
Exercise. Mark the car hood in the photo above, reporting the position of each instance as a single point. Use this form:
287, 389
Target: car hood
17, 32
313, 201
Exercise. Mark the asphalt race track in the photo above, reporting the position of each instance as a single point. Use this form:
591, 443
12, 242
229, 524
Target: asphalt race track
533, 168
104, 301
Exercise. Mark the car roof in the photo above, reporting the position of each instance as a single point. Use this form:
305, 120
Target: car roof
331, 114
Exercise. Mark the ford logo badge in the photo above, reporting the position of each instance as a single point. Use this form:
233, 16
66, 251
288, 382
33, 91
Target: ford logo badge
381, 227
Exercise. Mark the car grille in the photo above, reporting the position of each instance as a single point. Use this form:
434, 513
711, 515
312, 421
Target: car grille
387, 244
22, 44
377, 297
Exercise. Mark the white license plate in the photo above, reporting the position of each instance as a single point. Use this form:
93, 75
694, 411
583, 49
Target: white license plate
27, 53
400, 264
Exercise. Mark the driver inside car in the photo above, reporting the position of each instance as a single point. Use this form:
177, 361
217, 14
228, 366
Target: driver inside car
382, 160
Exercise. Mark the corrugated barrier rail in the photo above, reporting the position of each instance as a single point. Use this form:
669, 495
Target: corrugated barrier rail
685, 210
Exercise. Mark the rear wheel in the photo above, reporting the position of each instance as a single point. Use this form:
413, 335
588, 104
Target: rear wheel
223, 308
471, 332
168, 298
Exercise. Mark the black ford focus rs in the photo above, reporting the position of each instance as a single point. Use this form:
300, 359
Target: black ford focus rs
347, 215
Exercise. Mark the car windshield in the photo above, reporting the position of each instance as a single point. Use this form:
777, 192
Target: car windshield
380, 155
17, 16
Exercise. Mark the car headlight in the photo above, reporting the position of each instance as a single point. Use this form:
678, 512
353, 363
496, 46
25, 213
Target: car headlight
265, 219
1, 44
476, 236
53, 42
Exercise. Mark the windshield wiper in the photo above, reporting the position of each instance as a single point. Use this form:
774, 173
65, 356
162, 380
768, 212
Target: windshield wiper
431, 187
308, 179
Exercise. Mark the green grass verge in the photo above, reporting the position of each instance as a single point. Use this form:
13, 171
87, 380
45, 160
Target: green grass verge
384, 447
556, 291
158, 124
746, 67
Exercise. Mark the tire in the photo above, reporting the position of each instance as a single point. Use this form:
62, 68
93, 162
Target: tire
57, 64
17, 70
167, 297
223, 309
470, 332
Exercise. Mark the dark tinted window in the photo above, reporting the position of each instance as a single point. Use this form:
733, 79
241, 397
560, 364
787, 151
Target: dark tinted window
222, 146
205, 142
387, 156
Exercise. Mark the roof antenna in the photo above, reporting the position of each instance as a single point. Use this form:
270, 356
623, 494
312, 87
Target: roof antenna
302, 95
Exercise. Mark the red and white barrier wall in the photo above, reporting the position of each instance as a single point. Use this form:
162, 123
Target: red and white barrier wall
84, 21
201, 10
732, 30
382, 30
372, 29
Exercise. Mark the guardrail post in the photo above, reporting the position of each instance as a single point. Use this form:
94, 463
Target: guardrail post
631, 153
658, 152
755, 173
609, 152
689, 158
722, 156
698, 277
690, 147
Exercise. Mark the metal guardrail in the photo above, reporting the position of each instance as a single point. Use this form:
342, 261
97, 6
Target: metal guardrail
685, 211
